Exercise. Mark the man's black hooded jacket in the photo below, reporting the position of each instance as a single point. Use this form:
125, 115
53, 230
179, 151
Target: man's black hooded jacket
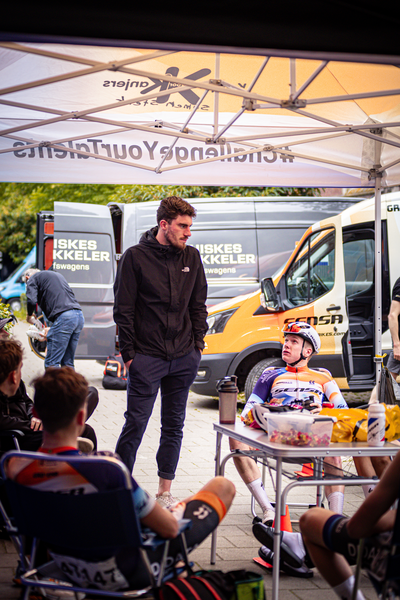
160, 294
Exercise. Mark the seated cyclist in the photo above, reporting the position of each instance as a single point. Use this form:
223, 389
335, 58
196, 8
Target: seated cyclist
292, 385
330, 541
60, 403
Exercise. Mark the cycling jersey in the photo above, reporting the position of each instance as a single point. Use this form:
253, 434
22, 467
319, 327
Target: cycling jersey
292, 386
80, 479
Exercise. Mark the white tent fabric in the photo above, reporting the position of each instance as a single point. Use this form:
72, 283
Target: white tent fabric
89, 114
93, 114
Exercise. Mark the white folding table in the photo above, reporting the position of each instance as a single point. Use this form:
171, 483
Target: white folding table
258, 439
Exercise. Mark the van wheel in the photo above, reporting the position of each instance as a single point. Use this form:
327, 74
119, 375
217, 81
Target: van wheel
256, 371
15, 304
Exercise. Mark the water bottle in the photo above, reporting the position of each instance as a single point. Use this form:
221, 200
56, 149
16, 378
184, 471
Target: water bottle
376, 425
228, 391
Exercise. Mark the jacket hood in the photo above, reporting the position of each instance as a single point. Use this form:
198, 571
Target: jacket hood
149, 239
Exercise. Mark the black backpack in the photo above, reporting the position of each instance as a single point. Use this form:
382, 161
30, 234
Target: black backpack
115, 374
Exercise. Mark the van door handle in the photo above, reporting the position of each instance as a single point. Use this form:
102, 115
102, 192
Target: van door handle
333, 308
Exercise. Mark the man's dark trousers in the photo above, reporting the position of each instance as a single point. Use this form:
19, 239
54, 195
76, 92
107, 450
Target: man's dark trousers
146, 376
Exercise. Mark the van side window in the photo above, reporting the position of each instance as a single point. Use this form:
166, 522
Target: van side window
312, 274
359, 258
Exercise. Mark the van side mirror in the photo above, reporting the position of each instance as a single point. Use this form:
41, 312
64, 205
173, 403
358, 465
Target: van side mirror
269, 297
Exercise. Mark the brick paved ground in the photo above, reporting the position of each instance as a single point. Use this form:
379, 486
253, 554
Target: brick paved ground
236, 544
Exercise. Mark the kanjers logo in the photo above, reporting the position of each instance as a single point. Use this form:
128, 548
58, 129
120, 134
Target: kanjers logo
162, 85
189, 95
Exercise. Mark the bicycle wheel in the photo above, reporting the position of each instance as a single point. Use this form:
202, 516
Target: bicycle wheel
38, 347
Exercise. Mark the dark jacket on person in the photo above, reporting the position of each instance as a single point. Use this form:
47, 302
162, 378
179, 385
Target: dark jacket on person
50, 290
160, 294
16, 411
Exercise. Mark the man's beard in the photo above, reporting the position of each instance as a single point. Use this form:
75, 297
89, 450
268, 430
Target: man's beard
173, 242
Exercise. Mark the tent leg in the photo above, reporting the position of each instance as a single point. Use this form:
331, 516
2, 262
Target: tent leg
378, 280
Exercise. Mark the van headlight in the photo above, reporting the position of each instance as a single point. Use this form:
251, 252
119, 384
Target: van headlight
217, 321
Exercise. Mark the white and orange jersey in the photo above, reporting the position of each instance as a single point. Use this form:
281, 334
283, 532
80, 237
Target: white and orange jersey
55, 477
83, 478
294, 385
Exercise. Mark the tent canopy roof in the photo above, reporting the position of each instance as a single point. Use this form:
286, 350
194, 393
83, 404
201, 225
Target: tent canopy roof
92, 113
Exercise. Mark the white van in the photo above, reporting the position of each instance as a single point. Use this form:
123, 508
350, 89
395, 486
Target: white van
329, 281
241, 240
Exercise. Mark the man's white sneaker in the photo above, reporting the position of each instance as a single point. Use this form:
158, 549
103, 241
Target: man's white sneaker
166, 499
268, 516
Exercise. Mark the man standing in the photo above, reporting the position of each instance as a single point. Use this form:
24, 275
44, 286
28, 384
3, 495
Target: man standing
393, 363
52, 293
160, 294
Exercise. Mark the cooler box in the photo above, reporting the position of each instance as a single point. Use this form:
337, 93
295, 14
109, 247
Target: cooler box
297, 429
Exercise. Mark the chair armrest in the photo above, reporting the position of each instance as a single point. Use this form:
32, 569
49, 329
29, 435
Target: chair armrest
11, 436
11, 433
184, 524
152, 540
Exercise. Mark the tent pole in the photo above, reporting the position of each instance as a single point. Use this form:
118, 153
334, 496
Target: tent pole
378, 280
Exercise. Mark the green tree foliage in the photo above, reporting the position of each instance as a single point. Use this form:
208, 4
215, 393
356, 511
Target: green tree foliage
21, 201
17, 221
143, 193
5, 312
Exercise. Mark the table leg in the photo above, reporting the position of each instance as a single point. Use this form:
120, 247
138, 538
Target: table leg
277, 530
218, 454
318, 471
217, 472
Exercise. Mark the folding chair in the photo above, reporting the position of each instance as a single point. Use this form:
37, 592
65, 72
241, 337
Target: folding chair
95, 524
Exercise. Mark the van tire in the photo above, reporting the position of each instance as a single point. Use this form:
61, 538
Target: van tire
256, 371
15, 304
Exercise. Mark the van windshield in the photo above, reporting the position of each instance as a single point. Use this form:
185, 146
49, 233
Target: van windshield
312, 274
12, 275
25, 268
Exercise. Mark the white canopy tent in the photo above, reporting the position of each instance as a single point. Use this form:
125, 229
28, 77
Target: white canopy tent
121, 115
104, 114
